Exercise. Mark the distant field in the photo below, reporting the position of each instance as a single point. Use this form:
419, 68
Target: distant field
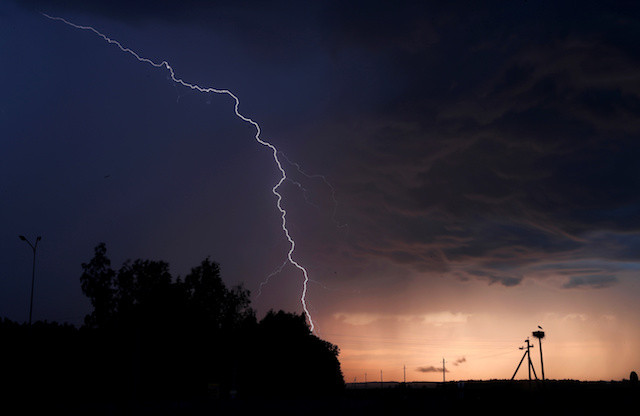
498, 396
452, 398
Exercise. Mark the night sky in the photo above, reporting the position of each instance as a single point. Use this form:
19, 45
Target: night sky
458, 173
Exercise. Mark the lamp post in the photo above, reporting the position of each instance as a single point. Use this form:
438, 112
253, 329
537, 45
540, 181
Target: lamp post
33, 270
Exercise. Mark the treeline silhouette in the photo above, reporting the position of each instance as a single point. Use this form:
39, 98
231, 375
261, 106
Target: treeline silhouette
153, 336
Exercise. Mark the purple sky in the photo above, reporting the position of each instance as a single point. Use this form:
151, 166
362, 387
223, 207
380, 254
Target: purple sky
479, 157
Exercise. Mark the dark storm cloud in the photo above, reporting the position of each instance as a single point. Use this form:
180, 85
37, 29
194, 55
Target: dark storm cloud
591, 281
481, 140
493, 277
510, 139
278, 29
134, 9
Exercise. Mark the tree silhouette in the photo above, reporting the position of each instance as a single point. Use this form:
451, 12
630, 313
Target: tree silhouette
210, 303
293, 361
97, 283
151, 335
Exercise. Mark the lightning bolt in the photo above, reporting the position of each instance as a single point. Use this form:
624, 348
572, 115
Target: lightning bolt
274, 150
305, 193
326, 182
273, 273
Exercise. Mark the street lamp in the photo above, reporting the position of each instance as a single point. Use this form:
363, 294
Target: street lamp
33, 270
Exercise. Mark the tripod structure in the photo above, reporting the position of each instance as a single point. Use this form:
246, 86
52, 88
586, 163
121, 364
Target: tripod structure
526, 354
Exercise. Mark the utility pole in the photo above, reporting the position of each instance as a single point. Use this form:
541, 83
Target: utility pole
529, 358
540, 335
404, 372
443, 370
530, 364
380, 378
33, 269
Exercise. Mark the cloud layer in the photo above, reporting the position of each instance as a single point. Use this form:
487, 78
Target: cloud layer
493, 142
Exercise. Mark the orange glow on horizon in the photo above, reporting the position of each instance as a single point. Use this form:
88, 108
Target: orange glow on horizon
584, 340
